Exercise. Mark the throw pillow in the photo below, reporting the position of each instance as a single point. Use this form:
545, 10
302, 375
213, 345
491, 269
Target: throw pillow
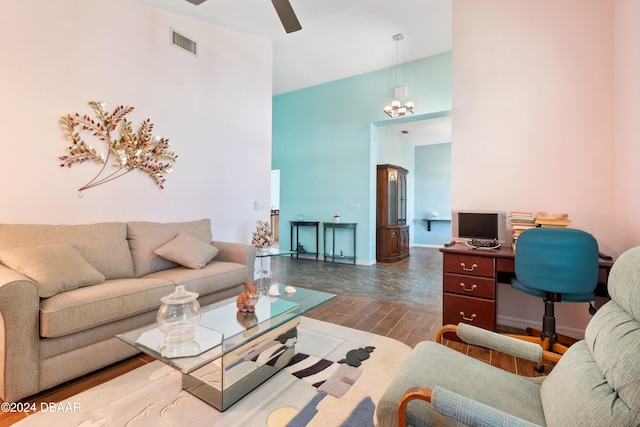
53, 268
188, 251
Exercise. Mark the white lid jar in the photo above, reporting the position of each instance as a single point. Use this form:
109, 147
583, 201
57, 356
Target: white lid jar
178, 316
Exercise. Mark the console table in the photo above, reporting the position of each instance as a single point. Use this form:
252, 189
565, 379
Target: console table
339, 225
470, 278
296, 225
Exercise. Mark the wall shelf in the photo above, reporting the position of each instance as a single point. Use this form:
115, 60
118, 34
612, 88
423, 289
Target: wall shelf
429, 220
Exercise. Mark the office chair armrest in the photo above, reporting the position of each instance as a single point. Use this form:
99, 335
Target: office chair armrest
495, 341
459, 408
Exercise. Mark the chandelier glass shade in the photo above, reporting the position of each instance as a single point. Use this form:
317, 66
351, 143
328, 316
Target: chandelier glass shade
396, 109
400, 105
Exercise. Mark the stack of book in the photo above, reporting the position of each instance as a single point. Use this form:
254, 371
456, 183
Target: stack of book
552, 219
521, 221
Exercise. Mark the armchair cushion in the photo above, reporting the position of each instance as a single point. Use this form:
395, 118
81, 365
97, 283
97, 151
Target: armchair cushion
188, 251
471, 413
53, 268
431, 364
604, 366
586, 399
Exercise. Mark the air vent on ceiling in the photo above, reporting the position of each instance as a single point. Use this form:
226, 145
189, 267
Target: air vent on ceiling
184, 43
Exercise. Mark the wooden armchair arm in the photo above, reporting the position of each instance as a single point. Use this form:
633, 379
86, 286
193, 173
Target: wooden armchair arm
422, 393
444, 330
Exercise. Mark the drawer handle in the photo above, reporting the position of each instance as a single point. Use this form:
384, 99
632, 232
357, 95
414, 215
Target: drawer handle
468, 319
464, 288
464, 267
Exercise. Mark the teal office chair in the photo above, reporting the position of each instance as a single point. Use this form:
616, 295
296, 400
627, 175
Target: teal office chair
557, 265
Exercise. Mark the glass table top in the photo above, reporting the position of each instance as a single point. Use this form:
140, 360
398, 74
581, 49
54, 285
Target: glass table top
223, 328
273, 252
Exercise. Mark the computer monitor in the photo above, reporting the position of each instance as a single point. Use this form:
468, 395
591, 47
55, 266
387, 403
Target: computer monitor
476, 224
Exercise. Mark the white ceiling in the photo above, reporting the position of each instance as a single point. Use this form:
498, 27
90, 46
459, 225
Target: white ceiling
425, 132
339, 38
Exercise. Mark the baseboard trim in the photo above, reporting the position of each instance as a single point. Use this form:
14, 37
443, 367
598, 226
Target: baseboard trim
427, 245
524, 324
367, 263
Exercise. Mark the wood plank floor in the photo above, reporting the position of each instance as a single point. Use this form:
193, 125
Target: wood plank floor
408, 323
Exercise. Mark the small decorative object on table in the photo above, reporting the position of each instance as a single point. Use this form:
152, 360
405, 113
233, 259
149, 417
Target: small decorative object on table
262, 238
274, 291
336, 218
248, 298
178, 316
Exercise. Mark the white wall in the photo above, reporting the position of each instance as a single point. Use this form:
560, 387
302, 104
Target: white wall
533, 121
59, 55
627, 123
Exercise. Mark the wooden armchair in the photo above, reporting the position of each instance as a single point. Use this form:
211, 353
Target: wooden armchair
457, 407
595, 383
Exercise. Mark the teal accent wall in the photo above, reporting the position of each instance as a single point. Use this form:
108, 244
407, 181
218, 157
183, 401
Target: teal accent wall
326, 145
432, 193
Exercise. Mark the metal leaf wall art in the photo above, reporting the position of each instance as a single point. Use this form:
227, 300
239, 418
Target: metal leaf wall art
127, 150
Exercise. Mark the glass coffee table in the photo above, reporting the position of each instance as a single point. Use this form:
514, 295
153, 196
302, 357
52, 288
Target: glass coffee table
232, 352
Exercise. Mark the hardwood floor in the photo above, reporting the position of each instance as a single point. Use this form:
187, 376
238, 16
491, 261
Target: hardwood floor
407, 324
378, 309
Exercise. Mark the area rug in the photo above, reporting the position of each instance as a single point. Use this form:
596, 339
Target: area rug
152, 396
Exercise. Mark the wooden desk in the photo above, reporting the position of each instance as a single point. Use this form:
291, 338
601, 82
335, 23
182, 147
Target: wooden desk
469, 281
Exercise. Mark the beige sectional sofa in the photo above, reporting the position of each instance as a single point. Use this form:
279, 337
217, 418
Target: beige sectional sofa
67, 290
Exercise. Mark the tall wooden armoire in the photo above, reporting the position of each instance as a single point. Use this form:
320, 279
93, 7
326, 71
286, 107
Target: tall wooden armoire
392, 231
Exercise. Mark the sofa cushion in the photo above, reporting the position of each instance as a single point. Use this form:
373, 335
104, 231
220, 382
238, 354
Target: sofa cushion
187, 251
84, 308
214, 277
145, 237
54, 268
103, 245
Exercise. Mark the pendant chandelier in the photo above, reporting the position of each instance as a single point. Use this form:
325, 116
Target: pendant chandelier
401, 105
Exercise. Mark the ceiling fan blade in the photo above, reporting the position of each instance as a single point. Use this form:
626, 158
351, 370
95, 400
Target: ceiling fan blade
196, 2
287, 15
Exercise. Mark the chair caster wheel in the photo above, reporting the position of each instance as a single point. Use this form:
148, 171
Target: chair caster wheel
539, 369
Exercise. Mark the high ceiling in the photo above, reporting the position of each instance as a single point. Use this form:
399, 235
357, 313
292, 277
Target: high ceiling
339, 38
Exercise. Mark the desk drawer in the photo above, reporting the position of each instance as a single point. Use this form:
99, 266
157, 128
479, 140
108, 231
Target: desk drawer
469, 264
479, 287
474, 311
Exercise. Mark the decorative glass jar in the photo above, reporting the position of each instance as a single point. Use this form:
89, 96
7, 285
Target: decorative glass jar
178, 316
